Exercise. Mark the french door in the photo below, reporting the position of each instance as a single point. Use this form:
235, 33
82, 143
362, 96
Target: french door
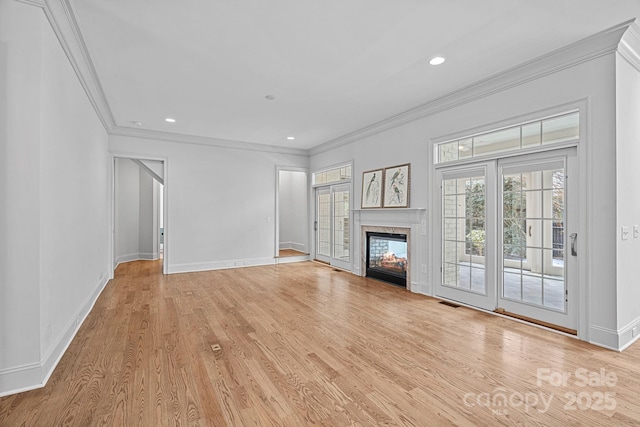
507, 233
467, 235
333, 225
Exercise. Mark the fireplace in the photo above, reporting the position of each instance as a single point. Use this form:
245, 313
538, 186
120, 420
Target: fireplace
387, 257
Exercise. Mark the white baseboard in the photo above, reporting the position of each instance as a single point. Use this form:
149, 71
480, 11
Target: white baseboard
604, 337
420, 288
20, 378
301, 247
126, 258
135, 257
626, 335
219, 265
33, 376
290, 259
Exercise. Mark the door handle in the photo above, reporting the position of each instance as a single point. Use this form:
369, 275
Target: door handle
315, 225
574, 238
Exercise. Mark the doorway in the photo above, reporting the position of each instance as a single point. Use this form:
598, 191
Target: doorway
507, 236
139, 210
292, 218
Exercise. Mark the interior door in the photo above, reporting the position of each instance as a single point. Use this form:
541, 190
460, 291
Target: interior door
333, 231
467, 235
538, 269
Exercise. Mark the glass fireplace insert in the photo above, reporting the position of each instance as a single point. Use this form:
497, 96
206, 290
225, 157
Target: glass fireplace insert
387, 257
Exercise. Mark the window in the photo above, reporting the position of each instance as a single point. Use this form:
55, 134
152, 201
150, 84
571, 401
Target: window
332, 176
552, 130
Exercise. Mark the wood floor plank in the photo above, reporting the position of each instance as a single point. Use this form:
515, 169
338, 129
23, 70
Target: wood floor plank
303, 344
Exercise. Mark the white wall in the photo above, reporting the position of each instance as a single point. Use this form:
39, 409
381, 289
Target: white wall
54, 200
146, 213
20, 85
292, 210
590, 84
221, 202
628, 197
127, 210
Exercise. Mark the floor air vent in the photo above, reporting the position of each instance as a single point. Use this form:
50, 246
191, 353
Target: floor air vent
450, 304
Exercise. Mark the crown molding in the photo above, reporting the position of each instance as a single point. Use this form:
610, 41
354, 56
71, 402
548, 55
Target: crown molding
630, 46
37, 3
595, 46
624, 38
201, 140
65, 25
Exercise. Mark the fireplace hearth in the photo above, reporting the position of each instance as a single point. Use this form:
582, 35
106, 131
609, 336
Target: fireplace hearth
387, 257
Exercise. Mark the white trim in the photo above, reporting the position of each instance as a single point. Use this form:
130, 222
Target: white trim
625, 338
585, 174
20, 379
36, 3
278, 244
219, 265
584, 50
203, 140
165, 208
126, 258
122, 259
293, 245
292, 259
32, 376
63, 21
65, 25
630, 46
604, 337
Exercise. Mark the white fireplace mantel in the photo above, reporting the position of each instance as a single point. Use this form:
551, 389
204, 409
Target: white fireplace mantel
404, 216
409, 221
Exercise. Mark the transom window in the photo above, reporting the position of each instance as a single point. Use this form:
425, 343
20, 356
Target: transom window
332, 176
552, 130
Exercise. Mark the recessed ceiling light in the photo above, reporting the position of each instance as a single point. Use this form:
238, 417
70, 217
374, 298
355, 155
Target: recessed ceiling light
270, 97
291, 138
170, 120
437, 60
137, 123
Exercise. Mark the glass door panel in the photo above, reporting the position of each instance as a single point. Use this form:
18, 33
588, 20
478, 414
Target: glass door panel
323, 224
341, 210
534, 277
466, 236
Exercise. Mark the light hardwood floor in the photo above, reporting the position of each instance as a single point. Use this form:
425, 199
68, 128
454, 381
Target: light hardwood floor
303, 344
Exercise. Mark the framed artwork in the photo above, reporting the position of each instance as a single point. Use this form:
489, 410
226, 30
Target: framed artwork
396, 186
372, 189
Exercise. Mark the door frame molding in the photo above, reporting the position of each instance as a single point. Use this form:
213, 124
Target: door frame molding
165, 208
280, 168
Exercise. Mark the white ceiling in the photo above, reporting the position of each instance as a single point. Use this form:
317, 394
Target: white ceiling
333, 66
